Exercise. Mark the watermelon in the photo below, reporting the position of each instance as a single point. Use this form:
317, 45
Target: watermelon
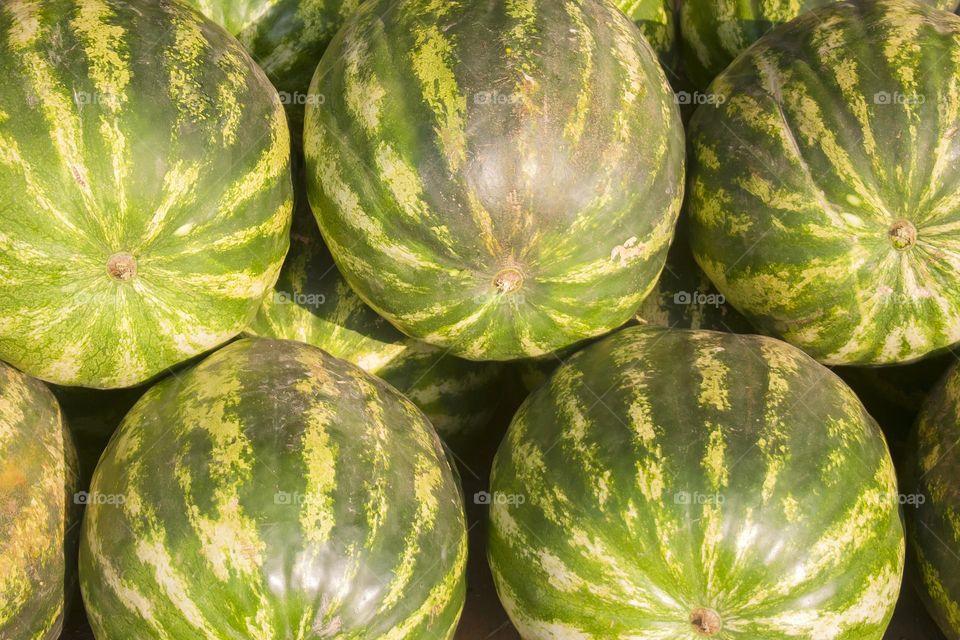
287, 38
273, 491
500, 180
312, 303
145, 189
934, 522
656, 22
38, 479
808, 213
695, 483
684, 298
714, 32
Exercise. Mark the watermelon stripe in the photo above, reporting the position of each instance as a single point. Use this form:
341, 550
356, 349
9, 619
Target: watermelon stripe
126, 149
934, 525
506, 274
715, 32
792, 546
38, 477
201, 545
110, 74
817, 225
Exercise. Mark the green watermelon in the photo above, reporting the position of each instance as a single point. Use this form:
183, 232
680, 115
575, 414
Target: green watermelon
287, 38
714, 32
312, 303
273, 491
501, 180
934, 523
677, 484
145, 189
38, 479
656, 22
823, 191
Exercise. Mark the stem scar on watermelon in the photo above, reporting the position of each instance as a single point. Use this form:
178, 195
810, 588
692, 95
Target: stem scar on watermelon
508, 280
706, 622
903, 235
122, 266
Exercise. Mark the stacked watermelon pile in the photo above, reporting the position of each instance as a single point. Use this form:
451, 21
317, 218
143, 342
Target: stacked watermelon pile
272, 272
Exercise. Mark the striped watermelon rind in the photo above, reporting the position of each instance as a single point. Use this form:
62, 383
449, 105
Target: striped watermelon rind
715, 32
286, 38
272, 491
655, 19
691, 484
146, 191
813, 220
38, 479
934, 518
461, 214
